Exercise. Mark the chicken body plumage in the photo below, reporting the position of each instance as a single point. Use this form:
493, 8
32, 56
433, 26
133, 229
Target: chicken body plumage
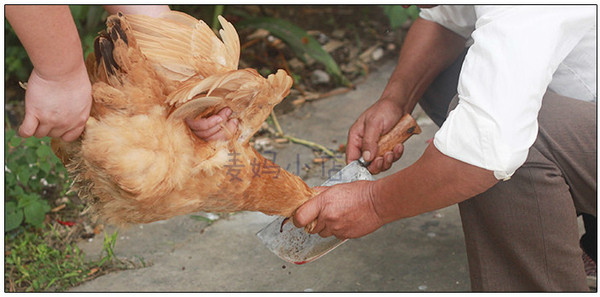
138, 161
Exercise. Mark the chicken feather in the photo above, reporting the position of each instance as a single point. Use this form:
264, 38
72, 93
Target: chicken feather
137, 160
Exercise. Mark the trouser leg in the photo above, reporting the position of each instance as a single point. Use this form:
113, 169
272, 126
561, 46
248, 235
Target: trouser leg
522, 234
589, 240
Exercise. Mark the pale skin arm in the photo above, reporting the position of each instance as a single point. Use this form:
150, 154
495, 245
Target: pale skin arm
149, 10
434, 181
58, 96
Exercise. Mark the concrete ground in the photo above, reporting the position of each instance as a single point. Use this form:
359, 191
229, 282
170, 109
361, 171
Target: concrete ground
423, 253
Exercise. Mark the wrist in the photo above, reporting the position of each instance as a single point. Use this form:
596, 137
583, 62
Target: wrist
400, 95
378, 202
384, 195
66, 73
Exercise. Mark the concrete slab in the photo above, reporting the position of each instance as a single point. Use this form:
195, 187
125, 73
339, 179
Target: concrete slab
423, 253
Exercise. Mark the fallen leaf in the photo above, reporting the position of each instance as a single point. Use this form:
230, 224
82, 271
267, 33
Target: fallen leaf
98, 229
56, 209
93, 271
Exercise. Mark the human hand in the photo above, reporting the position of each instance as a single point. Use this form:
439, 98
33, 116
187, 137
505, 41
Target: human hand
57, 106
344, 210
212, 128
364, 134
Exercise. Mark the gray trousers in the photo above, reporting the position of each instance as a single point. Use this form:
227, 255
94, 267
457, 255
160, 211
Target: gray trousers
522, 234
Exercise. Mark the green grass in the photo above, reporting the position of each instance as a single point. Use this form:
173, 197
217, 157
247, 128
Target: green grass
33, 265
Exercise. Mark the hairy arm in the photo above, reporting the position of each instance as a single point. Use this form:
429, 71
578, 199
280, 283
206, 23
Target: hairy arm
434, 181
428, 49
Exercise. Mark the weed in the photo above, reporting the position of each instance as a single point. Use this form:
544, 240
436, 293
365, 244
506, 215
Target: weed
33, 265
32, 173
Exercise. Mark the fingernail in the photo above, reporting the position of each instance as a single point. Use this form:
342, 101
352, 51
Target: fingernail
228, 112
367, 156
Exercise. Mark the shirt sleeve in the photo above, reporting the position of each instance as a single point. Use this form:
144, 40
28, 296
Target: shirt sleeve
503, 79
459, 19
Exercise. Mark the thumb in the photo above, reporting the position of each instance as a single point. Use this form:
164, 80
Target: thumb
29, 125
306, 213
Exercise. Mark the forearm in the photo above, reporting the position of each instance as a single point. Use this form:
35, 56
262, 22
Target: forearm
428, 49
49, 36
149, 10
433, 182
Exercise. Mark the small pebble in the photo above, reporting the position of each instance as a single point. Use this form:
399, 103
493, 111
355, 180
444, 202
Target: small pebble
377, 54
308, 290
322, 38
320, 77
422, 287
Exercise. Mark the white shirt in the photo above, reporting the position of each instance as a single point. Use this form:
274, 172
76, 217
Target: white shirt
517, 53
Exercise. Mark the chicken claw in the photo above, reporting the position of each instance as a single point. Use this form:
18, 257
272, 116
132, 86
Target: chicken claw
308, 228
283, 223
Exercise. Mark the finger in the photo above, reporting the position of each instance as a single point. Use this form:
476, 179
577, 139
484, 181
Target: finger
306, 213
231, 127
369, 141
73, 134
325, 233
376, 165
388, 160
55, 132
398, 151
205, 134
225, 113
42, 130
202, 124
318, 228
354, 143
225, 132
29, 126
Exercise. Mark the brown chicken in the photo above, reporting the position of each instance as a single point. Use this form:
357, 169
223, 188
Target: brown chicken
137, 160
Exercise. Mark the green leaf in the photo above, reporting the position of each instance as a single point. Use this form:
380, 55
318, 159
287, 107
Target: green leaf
18, 192
26, 199
13, 217
31, 142
300, 42
10, 180
35, 212
30, 156
396, 14
413, 11
43, 151
24, 174
15, 140
45, 167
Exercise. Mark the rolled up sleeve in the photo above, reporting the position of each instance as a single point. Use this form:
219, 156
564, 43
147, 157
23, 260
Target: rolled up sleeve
503, 79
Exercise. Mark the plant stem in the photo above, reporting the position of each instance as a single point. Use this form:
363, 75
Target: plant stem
305, 142
218, 11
